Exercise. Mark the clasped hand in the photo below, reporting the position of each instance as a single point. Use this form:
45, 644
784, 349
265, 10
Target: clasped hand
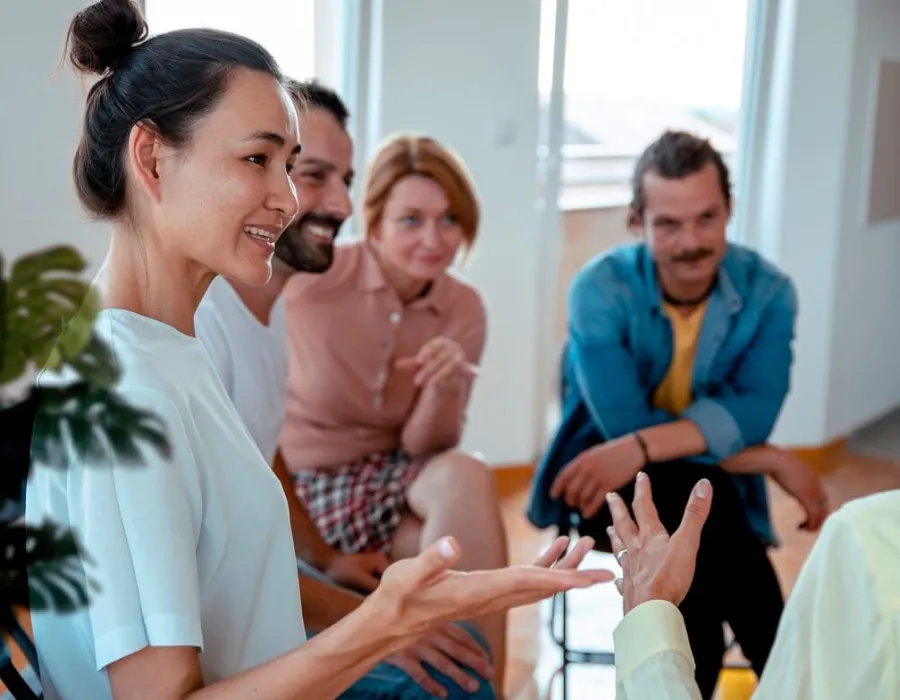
585, 481
441, 363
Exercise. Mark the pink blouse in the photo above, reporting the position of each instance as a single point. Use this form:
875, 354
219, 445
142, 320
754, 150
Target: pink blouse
346, 328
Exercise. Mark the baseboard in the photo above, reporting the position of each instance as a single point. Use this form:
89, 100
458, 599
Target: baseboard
824, 458
512, 478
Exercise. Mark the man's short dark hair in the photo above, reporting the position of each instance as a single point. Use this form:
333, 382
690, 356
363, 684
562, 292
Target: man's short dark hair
311, 93
675, 155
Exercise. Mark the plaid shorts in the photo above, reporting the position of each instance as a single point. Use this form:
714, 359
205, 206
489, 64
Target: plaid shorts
358, 506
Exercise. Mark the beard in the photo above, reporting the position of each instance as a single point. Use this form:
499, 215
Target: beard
304, 250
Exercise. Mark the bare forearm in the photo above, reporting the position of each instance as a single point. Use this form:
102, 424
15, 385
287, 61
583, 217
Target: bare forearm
320, 669
682, 438
753, 460
436, 421
325, 604
675, 440
308, 543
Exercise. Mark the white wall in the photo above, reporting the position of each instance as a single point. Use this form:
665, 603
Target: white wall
865, 348
39, 128
807, 214
460, 71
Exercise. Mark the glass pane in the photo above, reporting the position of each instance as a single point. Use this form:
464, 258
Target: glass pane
637, 67
285, 27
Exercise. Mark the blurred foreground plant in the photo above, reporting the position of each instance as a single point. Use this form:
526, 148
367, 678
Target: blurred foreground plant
47, 313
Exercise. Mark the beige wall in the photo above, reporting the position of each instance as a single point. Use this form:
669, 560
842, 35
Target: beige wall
586, 232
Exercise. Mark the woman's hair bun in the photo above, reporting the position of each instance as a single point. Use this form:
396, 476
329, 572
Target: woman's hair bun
104, 33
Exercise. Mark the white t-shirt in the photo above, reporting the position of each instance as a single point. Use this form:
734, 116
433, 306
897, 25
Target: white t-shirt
195, 550
250, 358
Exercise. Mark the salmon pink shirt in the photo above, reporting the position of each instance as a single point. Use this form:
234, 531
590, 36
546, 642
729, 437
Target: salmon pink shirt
346, 328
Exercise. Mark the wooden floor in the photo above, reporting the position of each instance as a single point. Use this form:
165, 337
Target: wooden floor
533, 658
594, 613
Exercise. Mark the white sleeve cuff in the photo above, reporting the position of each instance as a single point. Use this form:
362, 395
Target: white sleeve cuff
649, 629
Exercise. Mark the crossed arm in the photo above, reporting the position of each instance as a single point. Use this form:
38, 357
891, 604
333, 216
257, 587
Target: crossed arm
715, 427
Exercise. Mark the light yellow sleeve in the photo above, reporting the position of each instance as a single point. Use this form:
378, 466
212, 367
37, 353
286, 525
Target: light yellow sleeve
839, 637
653, 655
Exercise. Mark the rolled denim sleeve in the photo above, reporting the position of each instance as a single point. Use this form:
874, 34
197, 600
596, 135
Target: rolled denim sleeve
743, 413
604, 369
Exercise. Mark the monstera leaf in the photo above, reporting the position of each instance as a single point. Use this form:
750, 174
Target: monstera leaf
50, 556
46, 322
47, 312
100, 426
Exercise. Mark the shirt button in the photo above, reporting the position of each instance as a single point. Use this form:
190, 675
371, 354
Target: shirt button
380, 377
378, 401
395, 317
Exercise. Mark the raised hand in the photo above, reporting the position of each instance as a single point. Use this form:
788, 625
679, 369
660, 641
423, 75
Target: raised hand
654, 565
441, 362
423, 592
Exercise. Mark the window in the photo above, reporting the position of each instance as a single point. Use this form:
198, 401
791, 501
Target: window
634, 68
290, 29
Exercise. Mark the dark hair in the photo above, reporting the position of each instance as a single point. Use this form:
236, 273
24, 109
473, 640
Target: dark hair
674, 155
168, 81
312, 93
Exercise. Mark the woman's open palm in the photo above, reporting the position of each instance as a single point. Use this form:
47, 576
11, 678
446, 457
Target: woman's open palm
424, 592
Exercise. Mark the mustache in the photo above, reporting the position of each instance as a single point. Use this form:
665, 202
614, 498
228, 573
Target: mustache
692, 255
324, 220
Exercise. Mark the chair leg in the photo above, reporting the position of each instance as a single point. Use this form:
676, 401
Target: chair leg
565, 648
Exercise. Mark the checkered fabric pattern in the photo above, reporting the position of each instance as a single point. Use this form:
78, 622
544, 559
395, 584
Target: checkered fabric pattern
357, 506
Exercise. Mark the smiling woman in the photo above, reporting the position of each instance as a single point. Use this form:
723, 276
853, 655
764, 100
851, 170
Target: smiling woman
188, 141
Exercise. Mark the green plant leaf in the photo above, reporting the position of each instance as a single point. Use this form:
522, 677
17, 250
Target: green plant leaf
99, 425
40, 568
44, 303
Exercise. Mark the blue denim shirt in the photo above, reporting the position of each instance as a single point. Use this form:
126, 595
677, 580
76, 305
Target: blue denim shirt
620, 347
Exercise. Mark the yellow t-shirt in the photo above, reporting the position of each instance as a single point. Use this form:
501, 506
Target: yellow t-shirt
674, 393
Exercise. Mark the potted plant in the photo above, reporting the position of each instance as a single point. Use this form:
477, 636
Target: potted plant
47, 311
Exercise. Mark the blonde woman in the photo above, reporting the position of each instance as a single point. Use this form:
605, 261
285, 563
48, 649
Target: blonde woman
385, 349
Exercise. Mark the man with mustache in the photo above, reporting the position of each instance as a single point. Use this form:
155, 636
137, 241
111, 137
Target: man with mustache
677, 364
243, 329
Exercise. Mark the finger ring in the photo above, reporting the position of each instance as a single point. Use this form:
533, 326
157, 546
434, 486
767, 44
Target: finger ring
621, 555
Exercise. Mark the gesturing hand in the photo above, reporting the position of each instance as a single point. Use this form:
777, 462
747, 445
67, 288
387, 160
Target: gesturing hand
422, 593
361, 572
441, 362
584, 482
447, 650
797, 478
655, 566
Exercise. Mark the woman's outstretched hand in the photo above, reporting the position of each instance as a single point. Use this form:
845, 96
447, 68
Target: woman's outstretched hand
424, 592
654, 565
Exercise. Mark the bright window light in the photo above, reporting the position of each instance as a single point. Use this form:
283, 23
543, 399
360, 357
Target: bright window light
285, 27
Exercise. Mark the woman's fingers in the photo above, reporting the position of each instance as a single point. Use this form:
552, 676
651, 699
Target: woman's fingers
409, 663
573, 559
447, 664
428, 567
437, 363
615, 540
553, 553
644, 509
461, 646
622, 522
